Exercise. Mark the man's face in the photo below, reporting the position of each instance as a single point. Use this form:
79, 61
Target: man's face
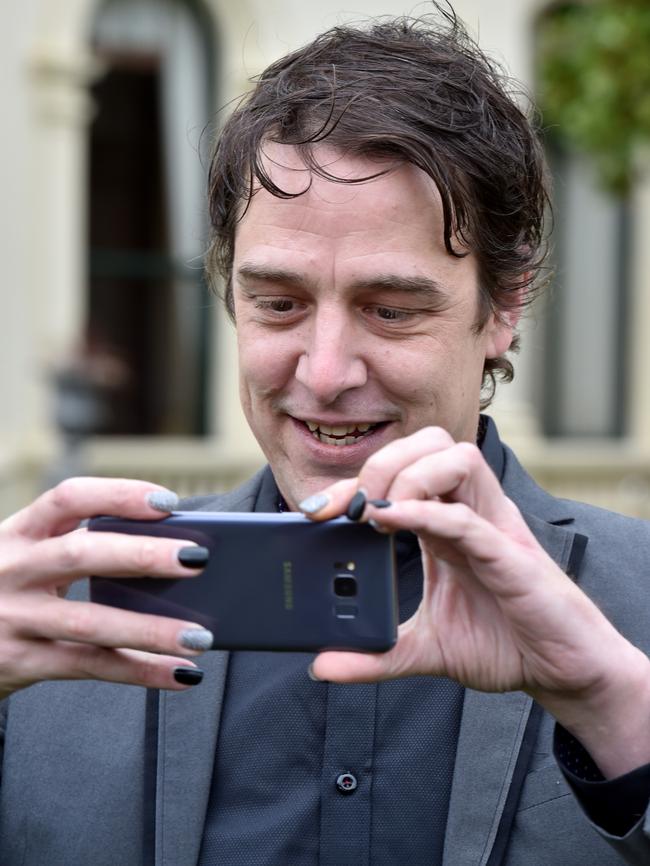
355, 327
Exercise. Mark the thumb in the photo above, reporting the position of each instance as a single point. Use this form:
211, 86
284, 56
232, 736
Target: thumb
347, 667
331, 501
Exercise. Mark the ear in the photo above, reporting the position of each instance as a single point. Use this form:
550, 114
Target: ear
500, 328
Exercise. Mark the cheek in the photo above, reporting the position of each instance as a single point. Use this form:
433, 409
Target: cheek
265, 363
438, 372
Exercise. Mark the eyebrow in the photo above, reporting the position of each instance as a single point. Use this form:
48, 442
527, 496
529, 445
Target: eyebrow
432, 289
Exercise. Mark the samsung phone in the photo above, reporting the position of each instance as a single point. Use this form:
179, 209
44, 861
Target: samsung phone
273, 581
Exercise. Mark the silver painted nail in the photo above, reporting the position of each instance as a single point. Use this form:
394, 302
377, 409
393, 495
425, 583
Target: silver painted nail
314, 503
163, 500
196, 639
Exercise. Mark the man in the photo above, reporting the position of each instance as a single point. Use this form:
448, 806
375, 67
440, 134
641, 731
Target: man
377, 208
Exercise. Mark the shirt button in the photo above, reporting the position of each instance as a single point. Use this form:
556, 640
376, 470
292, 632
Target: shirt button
346, 783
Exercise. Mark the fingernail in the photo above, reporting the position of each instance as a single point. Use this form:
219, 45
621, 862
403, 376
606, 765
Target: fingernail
193, 557
162, 500
380, 503
314, 503
196, 639
357, 505
188, 676
312, 676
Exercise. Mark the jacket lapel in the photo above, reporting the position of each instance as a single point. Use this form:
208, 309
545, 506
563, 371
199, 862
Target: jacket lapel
187, 738
188, 727
493, 726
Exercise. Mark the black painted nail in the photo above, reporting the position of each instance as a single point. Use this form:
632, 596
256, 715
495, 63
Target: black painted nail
193, 557
357, 506
188, 676
380, 503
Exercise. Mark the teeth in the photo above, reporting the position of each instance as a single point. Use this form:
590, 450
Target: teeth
330, 440
339, 430
338, 434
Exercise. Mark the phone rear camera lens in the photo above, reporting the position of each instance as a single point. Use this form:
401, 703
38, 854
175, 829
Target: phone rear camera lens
345, 585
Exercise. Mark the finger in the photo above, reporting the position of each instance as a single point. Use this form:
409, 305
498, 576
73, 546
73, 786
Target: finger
459, 473
343, 667
56, 619
63, 661
330, 502
81, 553
381, 469
62, 508
499, 559
404, 659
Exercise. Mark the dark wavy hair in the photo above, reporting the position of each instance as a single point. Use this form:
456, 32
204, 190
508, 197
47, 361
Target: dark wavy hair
400, 90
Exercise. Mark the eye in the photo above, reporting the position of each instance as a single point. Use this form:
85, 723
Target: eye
276, 305
391, 314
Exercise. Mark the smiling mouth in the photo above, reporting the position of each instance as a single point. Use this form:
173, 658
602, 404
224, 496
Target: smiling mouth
340, 434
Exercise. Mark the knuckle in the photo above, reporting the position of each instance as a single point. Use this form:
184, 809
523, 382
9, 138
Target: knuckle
470, 455
470, 451
12, 564
435, 436
411, 476
463, 516
121, 495
79, 624
83, 661
152, 635
376, 461
73, 548
64, 494
142, 670
14, 665
145, 557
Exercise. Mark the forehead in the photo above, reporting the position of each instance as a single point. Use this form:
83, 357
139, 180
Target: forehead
386, 215
346, 184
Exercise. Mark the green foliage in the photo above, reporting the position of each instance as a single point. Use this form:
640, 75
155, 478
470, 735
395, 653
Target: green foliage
594, 71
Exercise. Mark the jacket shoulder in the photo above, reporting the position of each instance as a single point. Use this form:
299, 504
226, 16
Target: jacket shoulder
242, 498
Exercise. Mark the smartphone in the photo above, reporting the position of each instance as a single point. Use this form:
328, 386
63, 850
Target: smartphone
273, 581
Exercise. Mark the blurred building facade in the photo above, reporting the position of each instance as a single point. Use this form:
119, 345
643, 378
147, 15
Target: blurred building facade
116, 359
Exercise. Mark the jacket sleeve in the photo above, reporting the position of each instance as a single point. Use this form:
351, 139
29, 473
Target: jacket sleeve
616, 808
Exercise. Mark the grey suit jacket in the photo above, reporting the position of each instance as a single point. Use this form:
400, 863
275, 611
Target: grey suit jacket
90, 777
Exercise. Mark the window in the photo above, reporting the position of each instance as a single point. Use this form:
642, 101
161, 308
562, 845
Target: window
582, 372
148, 306
585, 339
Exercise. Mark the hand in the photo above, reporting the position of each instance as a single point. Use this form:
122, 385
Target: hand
43, 635
497, 614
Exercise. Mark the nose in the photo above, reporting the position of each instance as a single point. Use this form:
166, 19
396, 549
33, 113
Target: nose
331, 361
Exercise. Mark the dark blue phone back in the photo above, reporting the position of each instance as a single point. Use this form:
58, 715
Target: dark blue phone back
273, 582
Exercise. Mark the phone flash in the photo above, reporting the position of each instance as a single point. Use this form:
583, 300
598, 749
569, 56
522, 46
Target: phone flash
351, 566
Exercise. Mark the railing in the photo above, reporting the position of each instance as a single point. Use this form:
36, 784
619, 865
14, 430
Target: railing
619, 482
609, 476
